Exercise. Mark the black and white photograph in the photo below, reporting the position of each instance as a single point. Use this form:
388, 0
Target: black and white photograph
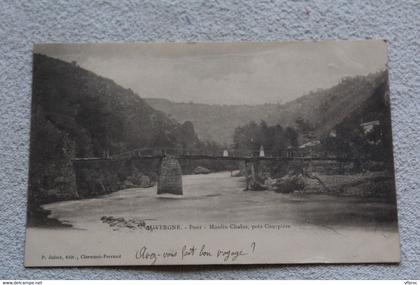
211, 153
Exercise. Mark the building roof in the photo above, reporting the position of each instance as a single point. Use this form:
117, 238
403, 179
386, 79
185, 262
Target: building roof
310, 144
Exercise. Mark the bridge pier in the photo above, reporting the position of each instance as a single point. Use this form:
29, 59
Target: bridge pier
250, 175
170, 176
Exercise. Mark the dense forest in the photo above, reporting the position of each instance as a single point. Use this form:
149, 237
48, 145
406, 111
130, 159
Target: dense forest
370, 146
76, 113
348, 137
273, 139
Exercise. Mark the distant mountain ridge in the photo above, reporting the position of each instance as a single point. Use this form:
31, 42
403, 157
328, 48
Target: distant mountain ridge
322, 108
212, 122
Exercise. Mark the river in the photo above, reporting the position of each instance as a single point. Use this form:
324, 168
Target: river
217, 197
323, 227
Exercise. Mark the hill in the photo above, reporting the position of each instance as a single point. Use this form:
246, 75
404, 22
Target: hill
371, 140
76, 113
213, 122
321, 109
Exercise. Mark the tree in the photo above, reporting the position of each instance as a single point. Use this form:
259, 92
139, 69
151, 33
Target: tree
305, 128
272, 138
292, 136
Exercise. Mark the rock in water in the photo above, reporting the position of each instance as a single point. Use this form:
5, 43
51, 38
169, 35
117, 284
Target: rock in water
201, 170
289, 183
170, 178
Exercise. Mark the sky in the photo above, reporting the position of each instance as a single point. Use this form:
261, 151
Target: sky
225, 73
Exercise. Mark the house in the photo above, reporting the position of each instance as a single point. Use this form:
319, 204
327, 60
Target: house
310, 144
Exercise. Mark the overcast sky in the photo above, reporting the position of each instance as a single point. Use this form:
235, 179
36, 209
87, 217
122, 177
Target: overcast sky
223, 73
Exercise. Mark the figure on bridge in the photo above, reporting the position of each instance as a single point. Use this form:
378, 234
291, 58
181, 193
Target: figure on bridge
262, 154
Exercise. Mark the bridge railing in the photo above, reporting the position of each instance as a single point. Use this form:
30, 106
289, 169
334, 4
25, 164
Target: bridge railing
286, 154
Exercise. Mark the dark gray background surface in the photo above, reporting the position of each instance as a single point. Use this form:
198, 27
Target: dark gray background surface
23, 23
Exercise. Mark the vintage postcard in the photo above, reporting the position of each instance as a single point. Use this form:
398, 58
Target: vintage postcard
211, 153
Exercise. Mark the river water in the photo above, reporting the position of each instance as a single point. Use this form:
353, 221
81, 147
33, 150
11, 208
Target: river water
219, 198
317, 228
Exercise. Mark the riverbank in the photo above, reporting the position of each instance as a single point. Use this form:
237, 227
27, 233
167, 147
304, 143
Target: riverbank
378, 184
215, 209
218, 197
